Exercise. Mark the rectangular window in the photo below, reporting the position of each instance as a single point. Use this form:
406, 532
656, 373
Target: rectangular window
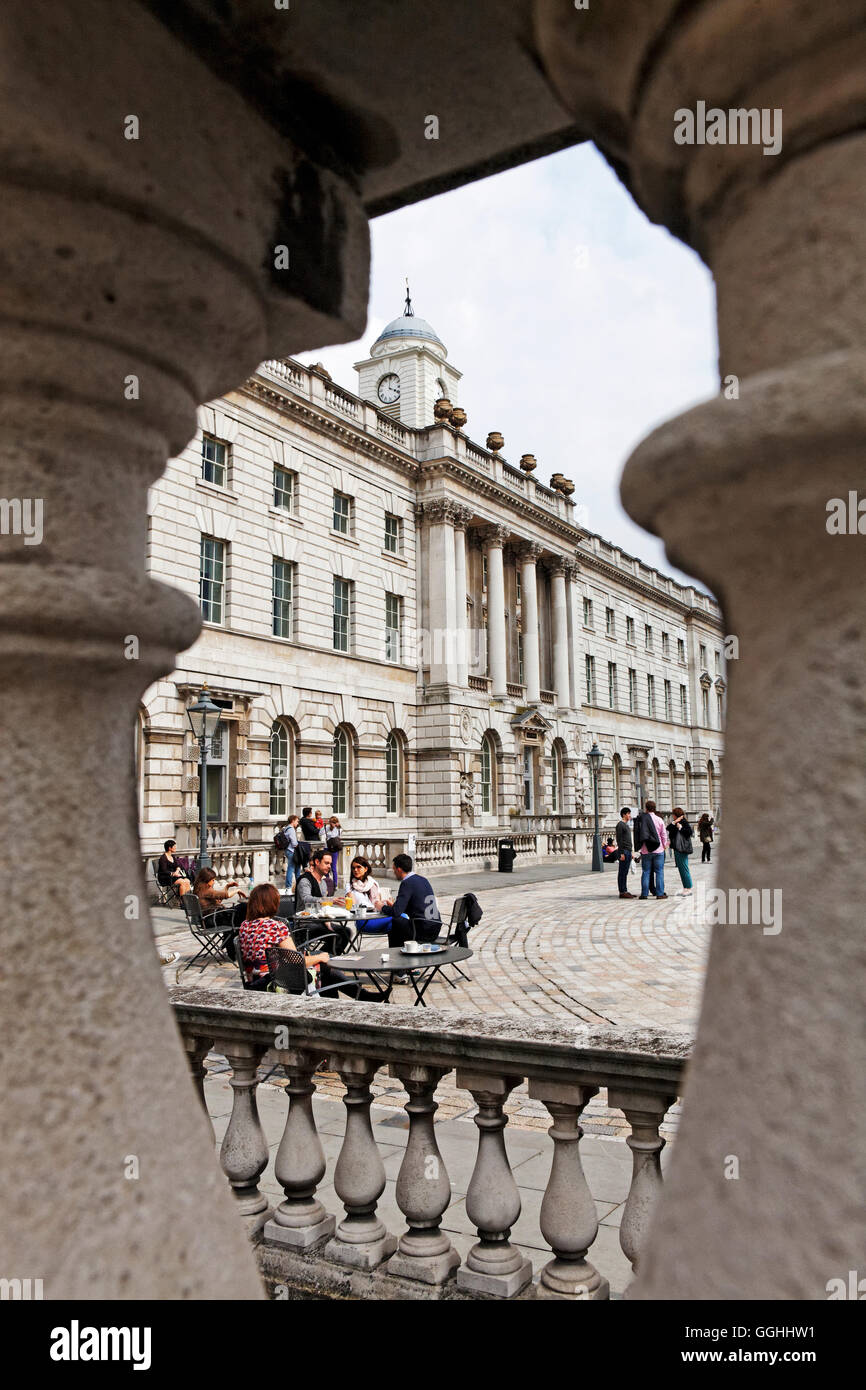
214, 461
587, 612
519, 586
212, 568
669, 701
681, 649
718, 660
393, 534
666, 645
648, 637
342, 614
651, 696
610, 622
684, 705
632, 691
705, 708
393, 626
342, 514
285, 490
611, 685
283, 593
703, 657
484, 568
520, 657
590, 680
720, 707
629, 631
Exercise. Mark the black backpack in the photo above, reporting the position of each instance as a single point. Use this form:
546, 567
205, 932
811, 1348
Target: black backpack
281, 840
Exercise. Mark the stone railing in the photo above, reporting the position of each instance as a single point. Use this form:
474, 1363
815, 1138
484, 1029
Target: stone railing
311, 1250
391, 430
479, 683
514, 690
563, 842
435, 850
477, 847
548, 697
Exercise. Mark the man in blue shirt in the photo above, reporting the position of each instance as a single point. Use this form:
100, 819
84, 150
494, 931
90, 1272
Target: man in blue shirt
414, 911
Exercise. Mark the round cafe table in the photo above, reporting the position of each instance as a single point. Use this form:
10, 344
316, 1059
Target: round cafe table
421, 967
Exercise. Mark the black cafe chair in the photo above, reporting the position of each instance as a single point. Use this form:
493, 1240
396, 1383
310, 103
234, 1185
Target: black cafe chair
209, 930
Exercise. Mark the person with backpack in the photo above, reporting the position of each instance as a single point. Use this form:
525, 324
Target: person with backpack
705, 834
650, 837
289, 842
680, 836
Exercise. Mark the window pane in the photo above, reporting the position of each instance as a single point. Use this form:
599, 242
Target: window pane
284, 490
393, 625
283, 596
340, 773
392, 774
342, 513
392, 533
341, 615
279, 770
212, 579
486, 777
213, 461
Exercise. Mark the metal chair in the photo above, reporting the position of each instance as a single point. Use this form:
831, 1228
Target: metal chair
168, 896
205, 928
287, 971
454, 936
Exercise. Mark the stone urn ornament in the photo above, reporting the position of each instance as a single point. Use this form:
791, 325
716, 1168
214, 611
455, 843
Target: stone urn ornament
557, 481
458, 417
443, 408
567, 487
528, 462
495, 441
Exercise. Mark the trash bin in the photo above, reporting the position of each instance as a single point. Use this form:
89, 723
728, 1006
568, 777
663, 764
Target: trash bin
506, 856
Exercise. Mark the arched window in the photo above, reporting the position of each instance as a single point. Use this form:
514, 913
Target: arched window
281, 769
687, 778
393, 775
488, 776
340, 770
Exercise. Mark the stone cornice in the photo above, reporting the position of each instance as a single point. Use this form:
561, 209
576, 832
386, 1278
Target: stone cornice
588, 560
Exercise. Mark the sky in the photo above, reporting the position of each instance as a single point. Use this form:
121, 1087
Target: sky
578, 324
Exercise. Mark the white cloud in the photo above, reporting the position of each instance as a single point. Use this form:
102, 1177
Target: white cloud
578, 325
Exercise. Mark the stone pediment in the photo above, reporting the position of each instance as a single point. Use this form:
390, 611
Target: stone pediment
720, 684
706, 680
530, 723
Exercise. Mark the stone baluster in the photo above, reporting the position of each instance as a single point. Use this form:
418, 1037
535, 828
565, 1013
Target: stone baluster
244, 1150
644, 1113
424, 1252
196, 1051
361, 1240
300, 1220
569, 1222
493, 1266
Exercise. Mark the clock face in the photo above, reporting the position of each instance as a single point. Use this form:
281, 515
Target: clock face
389, 389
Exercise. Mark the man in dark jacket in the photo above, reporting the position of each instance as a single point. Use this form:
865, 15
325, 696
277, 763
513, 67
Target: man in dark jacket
414, 910
624, 850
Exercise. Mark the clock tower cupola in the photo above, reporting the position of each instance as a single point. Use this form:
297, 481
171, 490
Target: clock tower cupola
407, 370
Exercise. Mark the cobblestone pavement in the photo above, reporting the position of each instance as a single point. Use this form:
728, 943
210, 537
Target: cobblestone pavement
563, 947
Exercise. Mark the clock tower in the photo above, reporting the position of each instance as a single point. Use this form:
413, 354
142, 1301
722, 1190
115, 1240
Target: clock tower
407, 370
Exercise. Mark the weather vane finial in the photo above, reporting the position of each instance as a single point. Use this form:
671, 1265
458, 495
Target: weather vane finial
408, 312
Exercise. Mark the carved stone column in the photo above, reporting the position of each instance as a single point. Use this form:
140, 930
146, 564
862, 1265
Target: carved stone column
493, 1266
300, 1220
568, 1218
441, 593
361, 1241
244, 1150
741, 489
529, 553
462, 517
497, 667
570, 572
559, 604
644, 1113
424, 1252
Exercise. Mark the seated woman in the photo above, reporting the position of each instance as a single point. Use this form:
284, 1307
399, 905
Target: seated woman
212, 899
367, 894
263, 928
170, 874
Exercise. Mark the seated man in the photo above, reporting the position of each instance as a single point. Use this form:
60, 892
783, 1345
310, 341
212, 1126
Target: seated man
414, 912
314, 884
170, 874
262, 928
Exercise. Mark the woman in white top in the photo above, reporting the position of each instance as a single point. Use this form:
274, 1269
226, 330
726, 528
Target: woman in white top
332, 836
366, 893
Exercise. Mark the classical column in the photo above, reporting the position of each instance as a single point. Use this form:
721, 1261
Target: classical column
493, 1266
570, 571
462, 517
779, 214
300, 1220
139, 279
496, 660
424, 1252
441, 591
568, 1217
529, 552
361, 1240
559, 604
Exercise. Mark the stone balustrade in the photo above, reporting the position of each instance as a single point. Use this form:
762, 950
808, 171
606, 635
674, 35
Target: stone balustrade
319, 1252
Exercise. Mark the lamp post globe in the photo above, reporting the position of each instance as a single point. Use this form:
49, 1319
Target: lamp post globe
595, 758
203, 716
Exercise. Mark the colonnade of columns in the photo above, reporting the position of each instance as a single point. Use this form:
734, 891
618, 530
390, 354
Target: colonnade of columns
449, 638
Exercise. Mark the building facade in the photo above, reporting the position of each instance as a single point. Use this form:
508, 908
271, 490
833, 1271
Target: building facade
406, 630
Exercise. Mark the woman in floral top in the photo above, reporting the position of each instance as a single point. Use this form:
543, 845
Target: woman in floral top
263, 928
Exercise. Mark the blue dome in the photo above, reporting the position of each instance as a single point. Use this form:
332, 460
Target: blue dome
409, 326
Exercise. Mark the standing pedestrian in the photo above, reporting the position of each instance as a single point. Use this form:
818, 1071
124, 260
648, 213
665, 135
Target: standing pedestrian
624, 847
680, 837
651, 839
332, 835
291, 833
705, 834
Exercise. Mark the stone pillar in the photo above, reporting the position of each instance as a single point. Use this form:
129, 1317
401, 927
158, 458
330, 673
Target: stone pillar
244, 1150
559, 604
784, 233
441, 592
496, 659
645, 1114
570, 571
493, 1266
139, 280
462, 517
529, 554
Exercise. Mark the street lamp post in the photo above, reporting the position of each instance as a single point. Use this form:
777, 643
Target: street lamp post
595, 758
203, 716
